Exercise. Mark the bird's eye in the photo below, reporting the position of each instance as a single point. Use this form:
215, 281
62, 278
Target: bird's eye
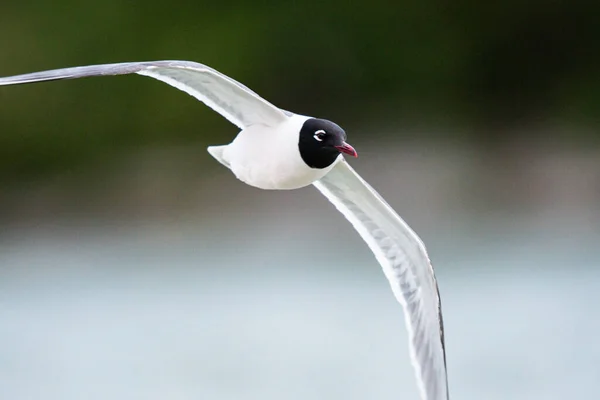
319, 135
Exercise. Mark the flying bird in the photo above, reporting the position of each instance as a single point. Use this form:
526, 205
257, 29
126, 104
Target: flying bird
277, 149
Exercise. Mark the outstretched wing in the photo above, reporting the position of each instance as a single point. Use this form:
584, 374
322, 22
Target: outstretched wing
234, 101
406, 265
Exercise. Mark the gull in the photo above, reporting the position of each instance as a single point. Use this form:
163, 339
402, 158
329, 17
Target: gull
280, 150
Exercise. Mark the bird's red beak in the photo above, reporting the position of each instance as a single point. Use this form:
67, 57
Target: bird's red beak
346, 148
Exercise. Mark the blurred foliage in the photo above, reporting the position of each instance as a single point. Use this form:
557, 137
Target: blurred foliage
480, 68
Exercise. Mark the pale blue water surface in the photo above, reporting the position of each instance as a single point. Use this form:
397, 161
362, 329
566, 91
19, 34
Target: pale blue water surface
177, 311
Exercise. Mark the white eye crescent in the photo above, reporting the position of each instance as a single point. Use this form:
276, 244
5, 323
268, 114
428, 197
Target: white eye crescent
319, 135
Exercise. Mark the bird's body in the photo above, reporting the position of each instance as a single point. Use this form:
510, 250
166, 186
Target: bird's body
260, 150
277, 149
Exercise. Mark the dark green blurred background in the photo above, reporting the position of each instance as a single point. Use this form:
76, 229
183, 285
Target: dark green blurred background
468, 71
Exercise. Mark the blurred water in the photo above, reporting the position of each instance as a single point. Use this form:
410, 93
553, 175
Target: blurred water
172, 312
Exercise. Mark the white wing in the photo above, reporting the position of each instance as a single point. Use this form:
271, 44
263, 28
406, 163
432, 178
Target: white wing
406, 265
234, 101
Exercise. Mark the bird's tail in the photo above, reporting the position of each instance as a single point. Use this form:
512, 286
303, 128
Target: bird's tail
217, 153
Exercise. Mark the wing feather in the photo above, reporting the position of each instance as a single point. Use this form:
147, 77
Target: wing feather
406, 265
233, 100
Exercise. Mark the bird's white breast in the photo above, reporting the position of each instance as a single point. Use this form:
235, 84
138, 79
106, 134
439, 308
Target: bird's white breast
269, 158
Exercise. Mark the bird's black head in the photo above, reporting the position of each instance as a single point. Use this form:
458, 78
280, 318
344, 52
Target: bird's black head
321, 142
